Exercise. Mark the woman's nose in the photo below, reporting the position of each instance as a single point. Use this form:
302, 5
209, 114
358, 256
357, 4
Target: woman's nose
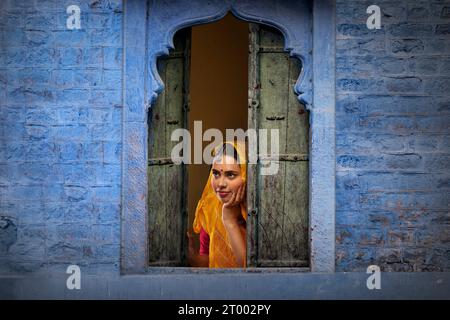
222, 182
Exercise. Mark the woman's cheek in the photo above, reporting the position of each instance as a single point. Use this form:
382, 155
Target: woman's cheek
235, 185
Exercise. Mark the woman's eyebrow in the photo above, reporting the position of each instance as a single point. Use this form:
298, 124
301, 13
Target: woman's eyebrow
231, 171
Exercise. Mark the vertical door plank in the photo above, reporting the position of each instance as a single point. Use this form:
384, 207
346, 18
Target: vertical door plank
282, 219
167, 180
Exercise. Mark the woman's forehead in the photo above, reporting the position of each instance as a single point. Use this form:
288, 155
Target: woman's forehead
226, 163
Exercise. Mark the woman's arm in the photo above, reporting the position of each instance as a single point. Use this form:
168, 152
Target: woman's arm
232, 220
193, 258
237, 235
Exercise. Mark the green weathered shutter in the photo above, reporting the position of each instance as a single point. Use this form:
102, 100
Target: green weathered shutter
167, 181
278, 204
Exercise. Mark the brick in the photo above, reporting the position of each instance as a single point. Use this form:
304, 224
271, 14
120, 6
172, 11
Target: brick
23, 213
354, 258
36, 172
67, 252
68, 151
27, 192
94, 57
37, 132
76, 174
347, 200
418, 259
404, 84
40, 22
53, 192
351, 218
442, 29
356, 30
111, 79
399, 238
433, 236
42, 57
418, 11
112, 152
107, 212
104, 193
105, 131
112, 57
423, 143
102, 233
437, 162
107, 174
406, 29
75, 193
11, 19
361, 46
404, 181
104, 37
369, 65
8, 233
404, 200
440, 11
407, 46
437, 85
103, 97
14, 151
93, 151
15, 132
38, 38
40, 116
15, 56
70, 132
37, 94
41, 151
389, 259
71, 38
99, 21
385, 161
392, 124
69, 57
383, 219
424, 66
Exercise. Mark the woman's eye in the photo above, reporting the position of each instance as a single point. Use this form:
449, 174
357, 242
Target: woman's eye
231, 175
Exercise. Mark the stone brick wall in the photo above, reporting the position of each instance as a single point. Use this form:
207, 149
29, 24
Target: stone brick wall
392, 138
60, 136
60, 120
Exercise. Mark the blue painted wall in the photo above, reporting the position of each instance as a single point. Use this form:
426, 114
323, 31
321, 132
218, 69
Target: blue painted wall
60, 150
60, 142
392, 139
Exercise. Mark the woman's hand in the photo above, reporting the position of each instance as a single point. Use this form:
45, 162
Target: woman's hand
231, 211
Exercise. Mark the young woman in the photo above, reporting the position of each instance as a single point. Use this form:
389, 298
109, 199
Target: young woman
221, 213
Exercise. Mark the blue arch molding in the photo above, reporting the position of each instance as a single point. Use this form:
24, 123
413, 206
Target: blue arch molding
308, 29
292, 18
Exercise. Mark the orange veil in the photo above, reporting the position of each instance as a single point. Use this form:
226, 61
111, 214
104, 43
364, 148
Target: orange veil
209, 216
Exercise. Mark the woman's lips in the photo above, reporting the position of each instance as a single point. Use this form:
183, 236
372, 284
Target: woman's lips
223, 194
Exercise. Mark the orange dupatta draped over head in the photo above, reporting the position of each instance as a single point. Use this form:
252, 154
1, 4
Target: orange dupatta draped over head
209, 216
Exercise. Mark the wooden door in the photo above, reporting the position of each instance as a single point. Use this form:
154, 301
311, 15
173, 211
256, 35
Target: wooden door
167, 194
277, 227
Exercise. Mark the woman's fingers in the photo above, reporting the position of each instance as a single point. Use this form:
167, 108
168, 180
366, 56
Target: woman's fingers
230, 202
236, 197
241, 193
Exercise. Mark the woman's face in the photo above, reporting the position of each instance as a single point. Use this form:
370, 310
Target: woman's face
226, 177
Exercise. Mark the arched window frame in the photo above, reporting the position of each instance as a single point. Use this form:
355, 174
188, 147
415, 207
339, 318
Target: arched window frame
308, 29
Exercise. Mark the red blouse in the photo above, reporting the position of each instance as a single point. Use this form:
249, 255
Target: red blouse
204, 242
